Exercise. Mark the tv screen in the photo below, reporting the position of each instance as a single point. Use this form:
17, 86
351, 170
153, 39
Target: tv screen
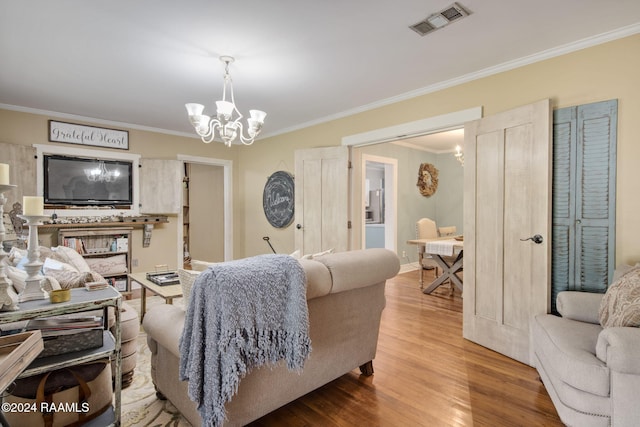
87, 182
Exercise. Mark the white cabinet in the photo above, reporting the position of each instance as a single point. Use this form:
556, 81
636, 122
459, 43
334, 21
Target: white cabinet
160, 186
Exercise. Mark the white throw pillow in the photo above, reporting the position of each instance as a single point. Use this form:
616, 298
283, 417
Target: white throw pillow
54, 264
198, 265
71, 257
187, 278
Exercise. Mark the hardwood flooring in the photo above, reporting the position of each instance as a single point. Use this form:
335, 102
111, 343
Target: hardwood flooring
426, 374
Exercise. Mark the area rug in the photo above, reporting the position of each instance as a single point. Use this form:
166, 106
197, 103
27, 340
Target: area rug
140, 406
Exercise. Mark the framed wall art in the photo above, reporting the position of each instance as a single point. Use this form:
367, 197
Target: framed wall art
72, 133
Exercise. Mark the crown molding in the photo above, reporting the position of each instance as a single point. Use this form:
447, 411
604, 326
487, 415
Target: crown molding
486, 72
505, 66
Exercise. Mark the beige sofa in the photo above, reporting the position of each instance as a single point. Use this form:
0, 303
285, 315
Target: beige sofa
591, 373
345, 294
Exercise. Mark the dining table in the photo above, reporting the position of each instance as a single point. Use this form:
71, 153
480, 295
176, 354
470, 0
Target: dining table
438, 249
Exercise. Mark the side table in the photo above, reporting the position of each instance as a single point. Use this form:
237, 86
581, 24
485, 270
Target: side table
168, 292
81, 300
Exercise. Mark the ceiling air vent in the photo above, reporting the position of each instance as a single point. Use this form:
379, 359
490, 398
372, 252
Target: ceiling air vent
438, 20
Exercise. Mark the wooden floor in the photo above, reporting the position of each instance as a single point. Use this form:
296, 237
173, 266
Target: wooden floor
426, 374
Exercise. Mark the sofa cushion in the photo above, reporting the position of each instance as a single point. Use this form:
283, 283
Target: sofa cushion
621, 304
571, 403
581, 306
569, 347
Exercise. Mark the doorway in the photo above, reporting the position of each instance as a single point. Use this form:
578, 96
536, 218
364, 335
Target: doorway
405, 228
380, 227
207, 232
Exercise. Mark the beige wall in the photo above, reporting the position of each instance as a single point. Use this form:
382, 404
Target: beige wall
27, 129
599, 73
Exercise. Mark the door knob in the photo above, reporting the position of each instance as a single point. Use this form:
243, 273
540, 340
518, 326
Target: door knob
537, 239
298, 226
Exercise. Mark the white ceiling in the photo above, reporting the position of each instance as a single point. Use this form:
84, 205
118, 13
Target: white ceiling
136, 63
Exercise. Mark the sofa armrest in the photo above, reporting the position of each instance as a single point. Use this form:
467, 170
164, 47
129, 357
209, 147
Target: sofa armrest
360, 268
619, 348
580, 306
164, 323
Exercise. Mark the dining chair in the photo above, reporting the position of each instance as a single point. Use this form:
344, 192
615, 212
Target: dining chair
426, 228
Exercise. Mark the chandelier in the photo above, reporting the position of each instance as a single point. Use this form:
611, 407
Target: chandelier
101, 174
227, 127
459, 155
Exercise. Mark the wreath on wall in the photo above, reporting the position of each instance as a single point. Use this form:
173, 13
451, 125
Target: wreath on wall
427, 179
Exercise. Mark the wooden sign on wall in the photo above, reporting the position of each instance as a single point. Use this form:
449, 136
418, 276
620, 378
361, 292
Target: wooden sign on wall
88, 135
278, 199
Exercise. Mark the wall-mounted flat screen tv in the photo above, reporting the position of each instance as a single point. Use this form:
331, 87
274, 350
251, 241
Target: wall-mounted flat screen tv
87, 182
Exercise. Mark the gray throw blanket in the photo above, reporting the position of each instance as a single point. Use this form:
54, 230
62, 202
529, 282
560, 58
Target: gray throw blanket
242, 314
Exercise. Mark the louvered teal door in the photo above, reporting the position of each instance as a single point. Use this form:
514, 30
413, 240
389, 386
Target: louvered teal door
584, 189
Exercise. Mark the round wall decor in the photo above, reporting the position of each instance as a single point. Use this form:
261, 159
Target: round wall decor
427, 179
278, 199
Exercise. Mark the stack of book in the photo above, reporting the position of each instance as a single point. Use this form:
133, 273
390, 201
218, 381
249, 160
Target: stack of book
164, 279
63, 335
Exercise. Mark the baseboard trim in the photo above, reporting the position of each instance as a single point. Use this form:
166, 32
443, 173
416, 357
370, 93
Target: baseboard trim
405, 268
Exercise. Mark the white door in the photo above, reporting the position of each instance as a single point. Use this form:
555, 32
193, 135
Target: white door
322, 199
507, 199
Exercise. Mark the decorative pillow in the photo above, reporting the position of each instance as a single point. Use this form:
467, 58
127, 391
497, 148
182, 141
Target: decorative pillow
201, 265
45, 252
54, 264
187, 277
296, 254
116, 264
71, 279
49, 283
319, 254
71, 257
621, 304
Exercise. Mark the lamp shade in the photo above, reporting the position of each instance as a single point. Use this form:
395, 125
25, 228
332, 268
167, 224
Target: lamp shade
258, 115
194, 109
225, 108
